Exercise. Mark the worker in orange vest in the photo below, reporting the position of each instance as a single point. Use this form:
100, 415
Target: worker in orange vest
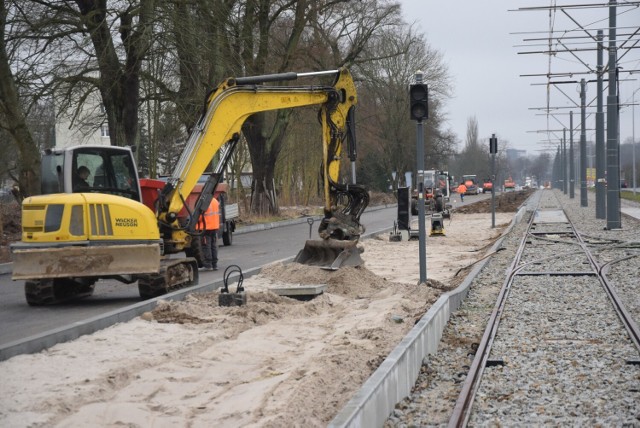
462, 189
209, 223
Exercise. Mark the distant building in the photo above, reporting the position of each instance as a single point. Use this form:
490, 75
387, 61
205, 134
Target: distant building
513, 154
82, 125
89, 127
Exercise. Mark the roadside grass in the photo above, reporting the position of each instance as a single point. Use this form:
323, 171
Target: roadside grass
628, 195
624, 194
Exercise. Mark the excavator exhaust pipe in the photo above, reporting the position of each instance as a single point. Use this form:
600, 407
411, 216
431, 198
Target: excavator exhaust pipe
330, 254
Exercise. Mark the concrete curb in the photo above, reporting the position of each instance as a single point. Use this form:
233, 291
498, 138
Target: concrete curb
394, 378
5, 268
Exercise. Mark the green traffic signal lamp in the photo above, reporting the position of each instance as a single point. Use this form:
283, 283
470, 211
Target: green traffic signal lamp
418, 101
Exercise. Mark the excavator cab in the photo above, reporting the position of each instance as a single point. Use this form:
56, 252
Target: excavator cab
90, 169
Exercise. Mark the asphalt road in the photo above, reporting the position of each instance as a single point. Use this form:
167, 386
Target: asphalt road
250, 250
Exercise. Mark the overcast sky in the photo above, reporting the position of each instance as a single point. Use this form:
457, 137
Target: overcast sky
479, 46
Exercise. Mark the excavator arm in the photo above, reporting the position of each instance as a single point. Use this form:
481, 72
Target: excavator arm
227, 109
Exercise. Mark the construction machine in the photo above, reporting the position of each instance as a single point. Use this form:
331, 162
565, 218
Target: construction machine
509, 185
487, 185
73, 237
436, 188
471, 183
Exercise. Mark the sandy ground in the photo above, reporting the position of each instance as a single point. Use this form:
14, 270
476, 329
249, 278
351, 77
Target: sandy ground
272, 363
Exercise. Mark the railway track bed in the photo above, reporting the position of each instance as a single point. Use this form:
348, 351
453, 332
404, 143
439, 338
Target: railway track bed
548, 334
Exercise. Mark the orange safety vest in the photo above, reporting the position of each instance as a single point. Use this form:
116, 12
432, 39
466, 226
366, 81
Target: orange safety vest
462, 188
210, 220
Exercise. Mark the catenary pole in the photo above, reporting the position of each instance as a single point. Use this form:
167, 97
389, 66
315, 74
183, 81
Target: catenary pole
601, 197
583, 144
565, 167
572, 172
633, 140
613, 149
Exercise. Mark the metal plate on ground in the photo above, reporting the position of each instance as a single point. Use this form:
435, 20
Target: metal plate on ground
549, 216
300, 290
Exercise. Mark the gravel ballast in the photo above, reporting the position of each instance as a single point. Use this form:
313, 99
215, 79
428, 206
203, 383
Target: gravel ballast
566, 358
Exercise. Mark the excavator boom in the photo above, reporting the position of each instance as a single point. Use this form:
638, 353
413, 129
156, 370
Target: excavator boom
227, 109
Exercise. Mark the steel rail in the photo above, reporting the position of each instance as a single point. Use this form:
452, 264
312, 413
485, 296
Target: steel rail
462, 409
627, 320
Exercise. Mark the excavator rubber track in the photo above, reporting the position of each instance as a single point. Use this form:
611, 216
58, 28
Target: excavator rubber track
174, 274
40, 292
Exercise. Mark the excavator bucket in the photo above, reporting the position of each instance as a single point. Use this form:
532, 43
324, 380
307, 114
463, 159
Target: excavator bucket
330, 254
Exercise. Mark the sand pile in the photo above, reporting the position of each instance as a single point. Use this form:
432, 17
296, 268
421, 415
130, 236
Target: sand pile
275, 362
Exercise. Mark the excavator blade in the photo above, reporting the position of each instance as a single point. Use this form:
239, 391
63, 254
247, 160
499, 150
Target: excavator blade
330, 254
64, 262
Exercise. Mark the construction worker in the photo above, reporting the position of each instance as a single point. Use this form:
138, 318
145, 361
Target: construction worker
462, 189
80, 180
209, 223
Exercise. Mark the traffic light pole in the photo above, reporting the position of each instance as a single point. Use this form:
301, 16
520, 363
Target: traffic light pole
493, 149
422, 235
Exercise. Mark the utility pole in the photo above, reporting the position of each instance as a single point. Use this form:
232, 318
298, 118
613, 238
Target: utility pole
613, 149
560, 42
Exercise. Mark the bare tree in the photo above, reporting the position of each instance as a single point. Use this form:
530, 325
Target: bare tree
384, 108
474, 157
119, 82
68, 49
273, 37
13, 120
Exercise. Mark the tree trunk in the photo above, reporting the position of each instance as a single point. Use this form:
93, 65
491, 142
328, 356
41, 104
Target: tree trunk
119, 84
12, 119
264, 152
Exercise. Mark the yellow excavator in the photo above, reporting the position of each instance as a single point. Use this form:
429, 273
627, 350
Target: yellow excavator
84, 229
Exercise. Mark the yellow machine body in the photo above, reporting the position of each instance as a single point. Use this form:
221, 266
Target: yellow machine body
85, 234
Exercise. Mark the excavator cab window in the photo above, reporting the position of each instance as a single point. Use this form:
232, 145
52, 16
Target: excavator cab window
110, 171
51, 174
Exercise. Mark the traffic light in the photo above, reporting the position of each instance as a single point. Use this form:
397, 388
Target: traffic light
418, 101
493, 144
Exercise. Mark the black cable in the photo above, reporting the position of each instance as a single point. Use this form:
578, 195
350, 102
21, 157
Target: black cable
225, 277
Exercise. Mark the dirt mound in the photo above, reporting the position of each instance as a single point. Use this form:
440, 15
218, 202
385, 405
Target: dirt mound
347, 281
263, 306
505, 203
